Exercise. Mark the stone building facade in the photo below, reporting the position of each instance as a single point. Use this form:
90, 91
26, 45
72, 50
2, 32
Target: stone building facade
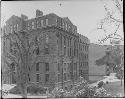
62, 53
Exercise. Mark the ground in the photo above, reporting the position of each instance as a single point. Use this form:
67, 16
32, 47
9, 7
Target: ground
115, 87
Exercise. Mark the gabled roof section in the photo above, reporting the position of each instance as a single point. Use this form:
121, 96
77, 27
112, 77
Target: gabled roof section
68, 20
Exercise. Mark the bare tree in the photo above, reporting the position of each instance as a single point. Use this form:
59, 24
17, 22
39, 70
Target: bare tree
113, 19
22, 55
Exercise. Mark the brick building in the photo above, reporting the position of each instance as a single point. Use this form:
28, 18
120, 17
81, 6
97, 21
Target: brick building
58, 47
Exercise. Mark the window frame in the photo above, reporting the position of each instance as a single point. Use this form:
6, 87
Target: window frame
37, 66
47, 77
37, 77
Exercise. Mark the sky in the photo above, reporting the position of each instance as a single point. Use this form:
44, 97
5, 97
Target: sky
85, 14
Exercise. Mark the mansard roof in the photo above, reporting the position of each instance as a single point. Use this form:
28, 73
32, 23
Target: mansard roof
12, 18
68, 20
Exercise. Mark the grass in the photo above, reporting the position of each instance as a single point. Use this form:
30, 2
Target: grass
115, 88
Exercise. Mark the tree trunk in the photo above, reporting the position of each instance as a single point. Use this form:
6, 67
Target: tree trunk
23, 90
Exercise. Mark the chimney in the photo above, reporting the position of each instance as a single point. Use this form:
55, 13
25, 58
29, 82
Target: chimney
39, 13
24, 17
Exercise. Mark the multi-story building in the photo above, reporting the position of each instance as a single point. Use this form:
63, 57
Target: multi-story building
84, 57
62, 53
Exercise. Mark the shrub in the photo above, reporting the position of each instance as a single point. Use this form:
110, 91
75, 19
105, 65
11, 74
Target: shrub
34, 89
15, 90
100, 84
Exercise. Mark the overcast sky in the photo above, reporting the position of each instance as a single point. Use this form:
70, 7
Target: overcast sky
85, 14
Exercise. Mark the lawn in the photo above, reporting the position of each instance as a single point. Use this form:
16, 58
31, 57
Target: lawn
115, 87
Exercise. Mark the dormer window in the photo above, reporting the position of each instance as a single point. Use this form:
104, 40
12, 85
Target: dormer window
37, 23
63, 24
47, 38
11, 29
33, 25
46, 49
5, 30
66, 26
28, 26
15, 29
17, 26
41, 23
46, 22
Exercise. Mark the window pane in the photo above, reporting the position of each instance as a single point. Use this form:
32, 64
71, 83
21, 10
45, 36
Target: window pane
37, 51
37, 67
65, 76
46, 22
46, 77
59, 67
47, 66
37, 77
33, 25
59, 78
41, 23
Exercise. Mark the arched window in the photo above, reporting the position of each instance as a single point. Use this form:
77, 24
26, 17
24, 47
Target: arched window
37, 51
12, 66
46, 49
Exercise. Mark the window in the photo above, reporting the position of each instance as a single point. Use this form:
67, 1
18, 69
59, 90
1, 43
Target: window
47, 66
4, 30
75, 66
63, 25
46, 77
58, 67
28, 26
46, 22
65, 76
87, 48
37, 77
66, 25
64, 50
15, 29
37, 23
37, 51
69, 28
41, 23
64, 41
59, 77
65, 66
72, 29
29, 77
33, 25
56, 21
13, 66
47, 38
68, 66
70, 52
46, 49
37, 67
11, 29
17, 26
86, 63
68, 42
